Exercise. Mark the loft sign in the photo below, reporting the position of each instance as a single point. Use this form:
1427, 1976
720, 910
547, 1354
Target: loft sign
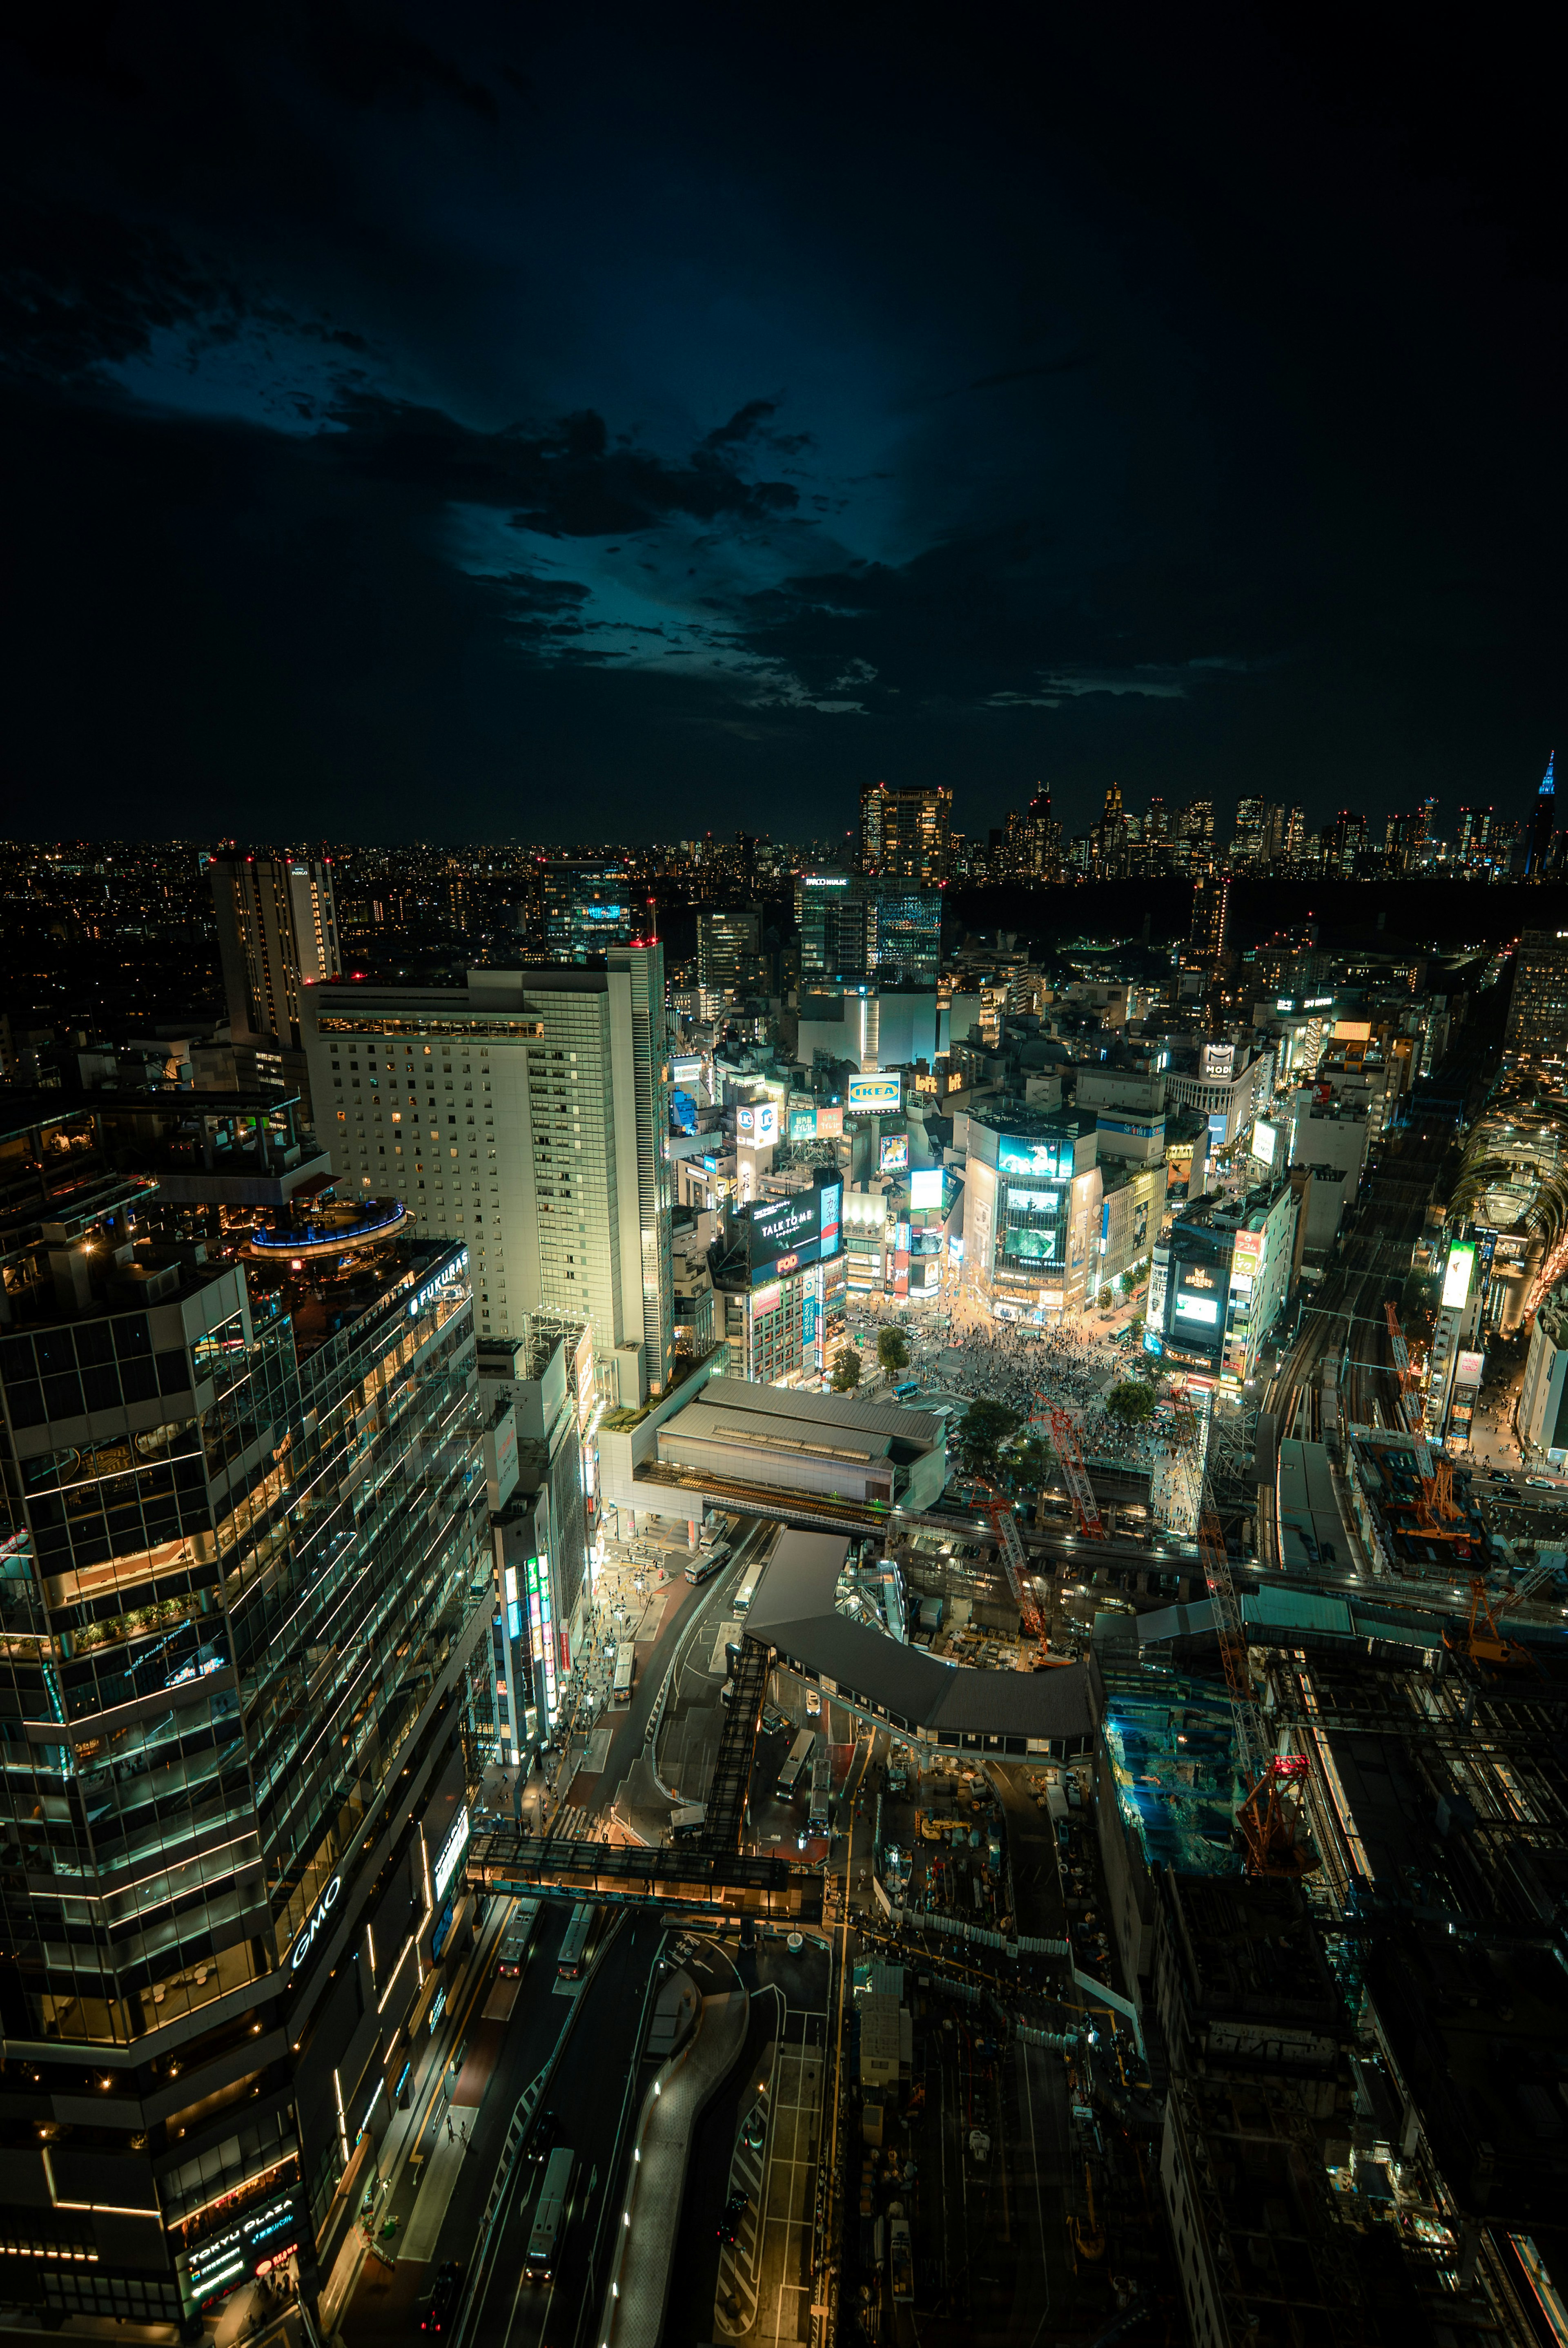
322, 1910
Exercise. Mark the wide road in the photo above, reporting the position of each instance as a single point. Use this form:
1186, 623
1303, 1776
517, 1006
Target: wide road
592, 2095
629, 1726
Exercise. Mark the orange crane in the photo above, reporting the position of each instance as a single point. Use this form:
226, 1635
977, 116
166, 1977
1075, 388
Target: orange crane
1015, 1564
1483, 1641
1269, 1814
1070, 1451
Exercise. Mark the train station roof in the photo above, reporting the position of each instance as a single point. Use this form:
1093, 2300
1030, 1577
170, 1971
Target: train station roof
1012, 1712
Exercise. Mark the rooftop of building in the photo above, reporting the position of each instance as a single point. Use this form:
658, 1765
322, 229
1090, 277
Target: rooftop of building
1250, 1950
1214, 1211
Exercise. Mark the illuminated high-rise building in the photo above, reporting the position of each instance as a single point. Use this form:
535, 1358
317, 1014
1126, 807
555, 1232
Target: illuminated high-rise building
525, 1114
277, 932
247, 1587
904, 833
586, 909
1542, 819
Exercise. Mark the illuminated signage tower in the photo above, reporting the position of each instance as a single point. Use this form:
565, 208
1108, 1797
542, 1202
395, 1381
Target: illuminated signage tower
246, 1578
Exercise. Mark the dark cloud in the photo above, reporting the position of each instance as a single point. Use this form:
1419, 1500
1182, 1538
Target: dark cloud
460, 420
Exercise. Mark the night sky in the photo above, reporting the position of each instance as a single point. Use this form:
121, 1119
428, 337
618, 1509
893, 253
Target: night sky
477, 422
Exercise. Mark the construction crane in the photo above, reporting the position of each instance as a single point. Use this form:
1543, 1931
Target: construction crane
1483, 1641
1409, 1378
1015, 1565
1070, 1451
1269, 1814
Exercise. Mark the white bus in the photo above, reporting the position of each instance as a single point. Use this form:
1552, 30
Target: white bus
795, 1766
820, 1815
549, 2214
573, 1955
625, 1665
748, 1590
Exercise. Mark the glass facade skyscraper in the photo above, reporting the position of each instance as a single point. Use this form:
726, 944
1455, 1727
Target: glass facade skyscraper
244, 1567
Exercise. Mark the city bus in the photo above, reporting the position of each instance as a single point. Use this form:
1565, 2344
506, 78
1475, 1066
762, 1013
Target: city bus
743, 1596
707, 1562
549, 2213
795, 1766
573, 1959
906, 1390
517, 1937
625, 1665
820, 1815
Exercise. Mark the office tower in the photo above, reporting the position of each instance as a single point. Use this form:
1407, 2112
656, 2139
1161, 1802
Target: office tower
585, 910
1538, 1007
1246, 842
1474, 834
1295, 835
1542, 817
277, 932
729, 957
830, 915
1211, 908
1350, 847
1039, 837
903, 935
1423, 836
1272, 843
517, 1114
904, 833
1195, 837
247, 1580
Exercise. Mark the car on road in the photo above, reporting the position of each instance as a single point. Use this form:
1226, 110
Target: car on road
754, 2133
543, 2136
1543, 1483
730, 2216
443, 2307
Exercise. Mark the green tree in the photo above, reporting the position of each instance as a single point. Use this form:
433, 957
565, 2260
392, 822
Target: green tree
1133, 1402
845, 1371
1106, 1298
982, 1431
1131, 1279
1029, 1462
892, 1351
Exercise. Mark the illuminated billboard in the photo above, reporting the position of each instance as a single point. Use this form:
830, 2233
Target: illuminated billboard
925, 1187
1265, 1141
1048, 1158
874, 1096
1196, 1308
1457, 1277
802, 1125
895, 1155
757, 1123
829, 1123
1470, 1369
786, 1233
1247, 1254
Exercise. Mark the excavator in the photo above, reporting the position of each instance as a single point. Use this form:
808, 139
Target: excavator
1481, 1640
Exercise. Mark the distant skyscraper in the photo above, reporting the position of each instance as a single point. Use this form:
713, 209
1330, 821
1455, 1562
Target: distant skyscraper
586, 909
1211, 909
904, 833
830, 915
729, 957
1246, 842
1541, 821
1349, 843
1040, 849
277, 930
1295, 835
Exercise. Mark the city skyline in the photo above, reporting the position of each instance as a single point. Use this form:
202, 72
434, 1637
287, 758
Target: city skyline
468, 429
